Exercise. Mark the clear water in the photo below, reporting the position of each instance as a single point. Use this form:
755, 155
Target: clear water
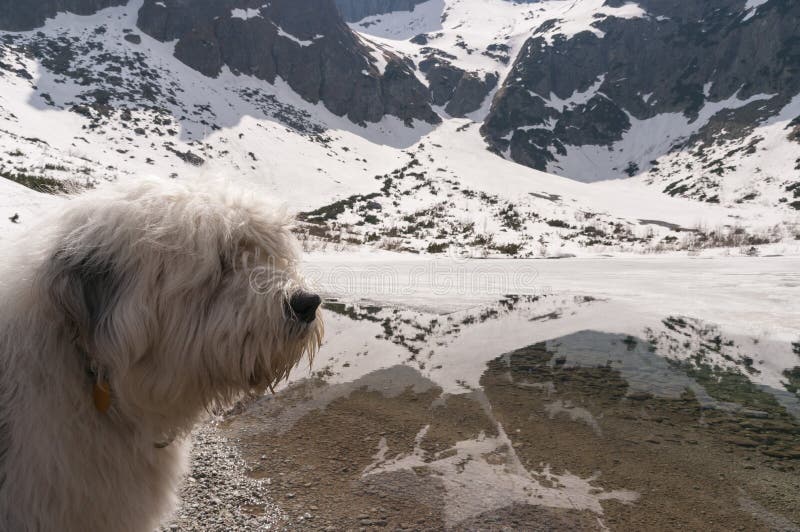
476, 419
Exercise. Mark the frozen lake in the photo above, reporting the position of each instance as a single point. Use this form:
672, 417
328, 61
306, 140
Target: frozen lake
750, 291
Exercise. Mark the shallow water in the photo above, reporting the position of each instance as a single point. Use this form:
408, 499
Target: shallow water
512, 412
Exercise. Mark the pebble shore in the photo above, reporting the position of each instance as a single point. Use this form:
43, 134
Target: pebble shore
218, 495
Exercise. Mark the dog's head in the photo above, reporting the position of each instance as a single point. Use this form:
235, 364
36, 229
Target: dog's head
182, 297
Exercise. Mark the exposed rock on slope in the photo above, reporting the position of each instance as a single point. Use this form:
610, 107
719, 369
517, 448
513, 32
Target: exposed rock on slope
16, 15
702, 73
305, 43
462, 92
470, 92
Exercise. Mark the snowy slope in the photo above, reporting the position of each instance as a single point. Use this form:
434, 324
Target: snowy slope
761, 167
27, 205
453, 196
467, 29
232, 126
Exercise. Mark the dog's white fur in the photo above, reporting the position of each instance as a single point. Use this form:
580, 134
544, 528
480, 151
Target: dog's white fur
151, 286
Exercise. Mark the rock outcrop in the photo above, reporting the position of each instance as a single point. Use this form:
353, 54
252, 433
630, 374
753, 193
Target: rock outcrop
679, 58
460, 91
471, 91
305, 43
23, 15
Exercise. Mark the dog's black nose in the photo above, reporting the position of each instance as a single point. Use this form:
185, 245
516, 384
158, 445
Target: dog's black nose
304, 305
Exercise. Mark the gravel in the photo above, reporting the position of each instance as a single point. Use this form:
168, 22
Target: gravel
219, 495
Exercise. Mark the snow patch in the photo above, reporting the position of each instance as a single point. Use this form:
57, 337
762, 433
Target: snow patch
753, 4
246, 14
291, 37
576, 17
751, 8
402, 25
377, 54
577, 98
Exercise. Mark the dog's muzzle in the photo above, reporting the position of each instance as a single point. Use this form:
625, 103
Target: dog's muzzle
304, 306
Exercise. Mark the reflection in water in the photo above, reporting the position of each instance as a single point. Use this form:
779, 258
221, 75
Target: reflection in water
417, 331
588, 431
575, 413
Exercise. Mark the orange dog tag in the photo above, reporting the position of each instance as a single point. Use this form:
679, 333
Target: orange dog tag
102, 397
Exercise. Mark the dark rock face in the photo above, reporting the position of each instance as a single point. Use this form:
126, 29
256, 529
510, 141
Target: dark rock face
462, 92
443, 78
305, 43
23, 15
355, 10
133, 38
404, 95
680, 57
470, 93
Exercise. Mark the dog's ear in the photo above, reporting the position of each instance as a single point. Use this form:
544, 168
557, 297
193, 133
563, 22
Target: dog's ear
84, 290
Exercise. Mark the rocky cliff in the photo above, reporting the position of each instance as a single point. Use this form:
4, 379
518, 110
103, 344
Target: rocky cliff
714, 69
305, 43
16, 15
460, 91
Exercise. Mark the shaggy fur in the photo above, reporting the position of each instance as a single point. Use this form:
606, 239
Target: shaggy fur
149, 287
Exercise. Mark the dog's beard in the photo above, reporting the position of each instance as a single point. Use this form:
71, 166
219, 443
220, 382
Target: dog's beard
173, 403
300, 340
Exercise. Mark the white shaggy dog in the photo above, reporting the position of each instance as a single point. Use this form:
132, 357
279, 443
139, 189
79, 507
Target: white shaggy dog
137, 309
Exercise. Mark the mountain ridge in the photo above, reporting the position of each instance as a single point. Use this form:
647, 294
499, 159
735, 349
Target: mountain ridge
94, 98
679, 58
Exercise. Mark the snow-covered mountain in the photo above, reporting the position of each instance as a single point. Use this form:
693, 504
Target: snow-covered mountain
699, 99
404, 130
